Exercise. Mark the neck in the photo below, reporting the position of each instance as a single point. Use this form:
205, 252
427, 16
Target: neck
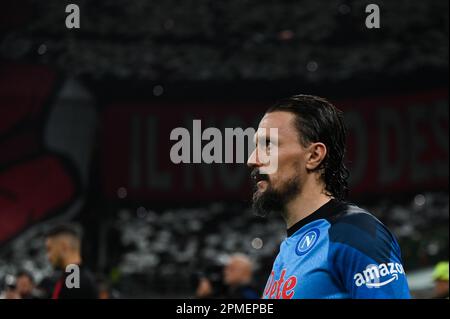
304, 205
73, 258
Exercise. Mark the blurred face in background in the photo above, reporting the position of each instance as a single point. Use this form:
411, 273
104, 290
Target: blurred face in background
238, 271
24, 286
204, 288
273, 191
57, 247
441, 288
63, 249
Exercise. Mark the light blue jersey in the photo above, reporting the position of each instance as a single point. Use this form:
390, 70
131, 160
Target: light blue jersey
339, 251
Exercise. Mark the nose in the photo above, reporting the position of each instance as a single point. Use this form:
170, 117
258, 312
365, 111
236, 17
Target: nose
253, 161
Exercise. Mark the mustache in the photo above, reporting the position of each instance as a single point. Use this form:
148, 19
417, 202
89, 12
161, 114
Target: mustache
256, 176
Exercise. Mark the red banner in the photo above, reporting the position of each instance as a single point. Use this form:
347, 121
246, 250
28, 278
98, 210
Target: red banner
395, 144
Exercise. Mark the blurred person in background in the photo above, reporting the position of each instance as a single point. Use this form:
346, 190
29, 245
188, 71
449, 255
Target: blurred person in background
204, 288
47, 284
21, 286
26, 286
440, 277
238, 273
63, 244
105, 290
10, 291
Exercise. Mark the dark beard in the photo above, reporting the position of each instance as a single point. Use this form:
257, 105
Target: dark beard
272, 200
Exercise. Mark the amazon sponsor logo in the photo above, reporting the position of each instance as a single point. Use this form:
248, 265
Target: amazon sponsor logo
376, 276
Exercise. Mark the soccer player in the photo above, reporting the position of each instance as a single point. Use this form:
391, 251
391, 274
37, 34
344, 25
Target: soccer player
333, 249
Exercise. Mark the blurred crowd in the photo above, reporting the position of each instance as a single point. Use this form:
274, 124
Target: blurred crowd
237, 39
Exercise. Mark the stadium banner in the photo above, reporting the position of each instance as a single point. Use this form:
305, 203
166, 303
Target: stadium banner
47, 126
396, 143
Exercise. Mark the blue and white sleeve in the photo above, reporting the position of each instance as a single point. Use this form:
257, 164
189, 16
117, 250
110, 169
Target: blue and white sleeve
365, 259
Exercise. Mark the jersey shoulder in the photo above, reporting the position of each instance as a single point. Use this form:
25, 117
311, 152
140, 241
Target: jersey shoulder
356, 228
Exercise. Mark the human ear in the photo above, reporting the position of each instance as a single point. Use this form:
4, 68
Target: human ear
316, 154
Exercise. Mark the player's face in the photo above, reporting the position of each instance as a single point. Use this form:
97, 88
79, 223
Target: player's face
54, 247
273, 191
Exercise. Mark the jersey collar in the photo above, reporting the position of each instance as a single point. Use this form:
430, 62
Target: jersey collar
323, 212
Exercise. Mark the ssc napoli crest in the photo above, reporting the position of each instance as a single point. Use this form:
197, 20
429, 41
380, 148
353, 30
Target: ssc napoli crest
307, 242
